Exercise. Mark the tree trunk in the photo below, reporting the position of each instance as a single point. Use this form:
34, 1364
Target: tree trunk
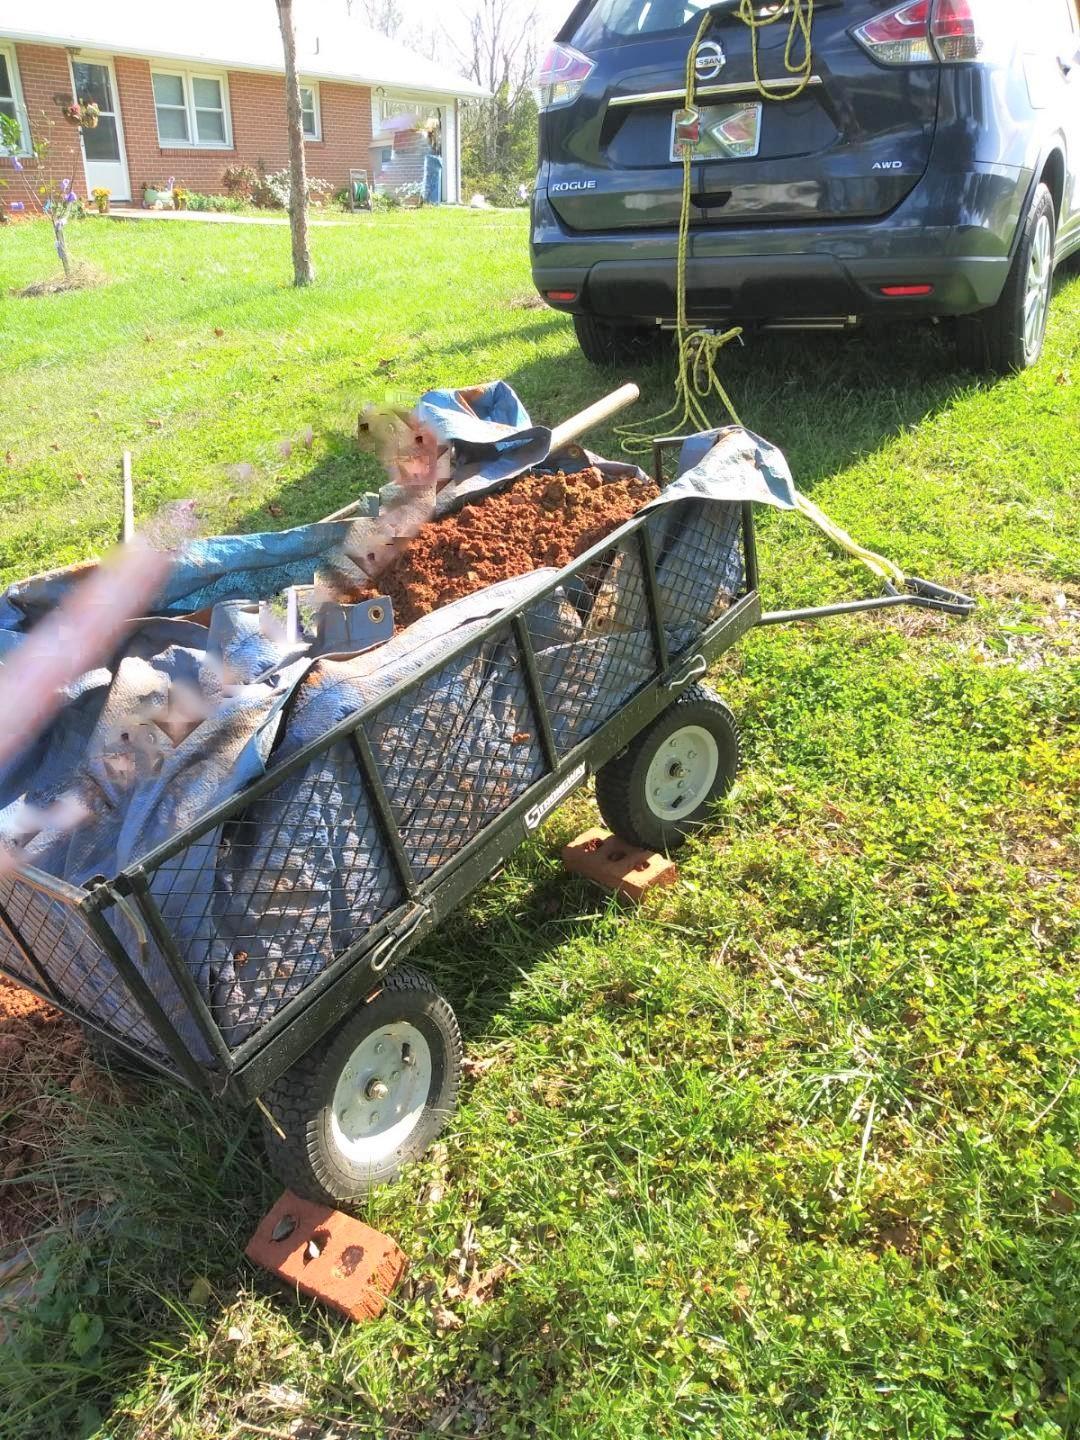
59, 231
303, 270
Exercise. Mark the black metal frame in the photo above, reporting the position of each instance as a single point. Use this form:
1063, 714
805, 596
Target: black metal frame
244, 1072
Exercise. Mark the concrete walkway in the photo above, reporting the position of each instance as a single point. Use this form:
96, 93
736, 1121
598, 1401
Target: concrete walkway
206, 217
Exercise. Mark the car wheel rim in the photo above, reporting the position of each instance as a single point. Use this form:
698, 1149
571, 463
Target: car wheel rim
381, 1094
1037, 295
682, 773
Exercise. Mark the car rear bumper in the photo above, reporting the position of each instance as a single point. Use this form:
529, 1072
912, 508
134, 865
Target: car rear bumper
953, 234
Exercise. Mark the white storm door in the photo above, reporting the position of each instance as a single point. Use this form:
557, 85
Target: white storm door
103, 147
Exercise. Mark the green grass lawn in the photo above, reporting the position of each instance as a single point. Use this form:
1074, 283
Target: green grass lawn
790, 1152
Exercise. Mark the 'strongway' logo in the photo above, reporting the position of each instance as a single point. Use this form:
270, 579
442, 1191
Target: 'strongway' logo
535, 817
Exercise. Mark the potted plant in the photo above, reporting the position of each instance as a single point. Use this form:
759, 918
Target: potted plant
180, 197
100, 197
85, 114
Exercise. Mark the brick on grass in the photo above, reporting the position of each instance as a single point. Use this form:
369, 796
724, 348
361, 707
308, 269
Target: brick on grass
328, 1256
602, 857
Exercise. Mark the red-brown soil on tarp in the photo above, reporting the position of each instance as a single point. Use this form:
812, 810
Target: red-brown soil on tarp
41, 1054
540, 520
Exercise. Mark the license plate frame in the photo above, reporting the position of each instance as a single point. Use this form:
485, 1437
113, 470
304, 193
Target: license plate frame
741, 119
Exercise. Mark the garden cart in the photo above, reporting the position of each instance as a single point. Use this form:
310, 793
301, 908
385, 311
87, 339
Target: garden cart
257, 953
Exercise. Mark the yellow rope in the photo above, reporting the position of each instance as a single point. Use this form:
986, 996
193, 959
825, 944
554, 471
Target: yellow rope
697, 350
799, 29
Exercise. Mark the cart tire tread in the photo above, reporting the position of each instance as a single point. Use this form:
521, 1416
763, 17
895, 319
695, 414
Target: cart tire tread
306, 1161
620, 784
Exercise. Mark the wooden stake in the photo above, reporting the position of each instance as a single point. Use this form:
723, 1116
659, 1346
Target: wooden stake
127, 533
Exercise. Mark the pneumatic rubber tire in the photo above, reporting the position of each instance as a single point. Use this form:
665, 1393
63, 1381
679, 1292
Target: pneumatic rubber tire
606, 345
999, 341
636, 806
315, 1159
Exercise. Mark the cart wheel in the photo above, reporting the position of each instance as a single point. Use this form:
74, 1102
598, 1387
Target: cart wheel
660, 789
371, 1097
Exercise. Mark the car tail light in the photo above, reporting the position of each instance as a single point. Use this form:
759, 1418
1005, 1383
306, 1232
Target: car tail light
926, 32
561, 76
906, 292
954, 29
899, 37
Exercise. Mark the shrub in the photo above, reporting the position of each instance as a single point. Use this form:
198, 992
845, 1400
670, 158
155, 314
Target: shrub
271, 190
240, 181
499, 190
229, 204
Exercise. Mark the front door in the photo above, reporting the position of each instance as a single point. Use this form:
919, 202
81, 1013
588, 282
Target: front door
103, 147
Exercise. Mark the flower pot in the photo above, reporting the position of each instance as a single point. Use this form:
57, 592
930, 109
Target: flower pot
150, 197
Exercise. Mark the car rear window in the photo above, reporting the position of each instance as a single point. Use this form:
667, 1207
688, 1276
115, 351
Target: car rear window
616, 19
609, 21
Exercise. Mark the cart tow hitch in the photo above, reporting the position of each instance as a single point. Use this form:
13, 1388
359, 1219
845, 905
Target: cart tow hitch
920, 593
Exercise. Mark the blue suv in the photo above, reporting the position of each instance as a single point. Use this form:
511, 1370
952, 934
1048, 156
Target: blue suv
929, 167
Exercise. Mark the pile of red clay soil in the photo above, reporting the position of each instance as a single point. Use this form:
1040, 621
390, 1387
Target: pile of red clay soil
540, 520
41, 1056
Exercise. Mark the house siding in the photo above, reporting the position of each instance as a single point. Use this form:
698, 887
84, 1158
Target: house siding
258, 119
259, 131
45, 74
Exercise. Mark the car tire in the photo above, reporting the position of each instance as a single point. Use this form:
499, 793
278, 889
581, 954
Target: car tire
1008, 338
400, 1055
662, 787
605, 345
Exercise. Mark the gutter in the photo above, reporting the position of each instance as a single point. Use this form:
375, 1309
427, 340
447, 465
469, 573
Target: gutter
307, 72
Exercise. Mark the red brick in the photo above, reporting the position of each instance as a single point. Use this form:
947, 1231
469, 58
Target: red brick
355, 1270
602, 857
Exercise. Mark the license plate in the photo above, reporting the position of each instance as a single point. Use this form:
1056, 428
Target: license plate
728, 132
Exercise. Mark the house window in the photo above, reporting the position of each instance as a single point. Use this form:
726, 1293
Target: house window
309, 107
191, 109
11, 103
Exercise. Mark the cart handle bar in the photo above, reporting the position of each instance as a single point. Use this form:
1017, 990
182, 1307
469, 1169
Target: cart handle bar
920, 593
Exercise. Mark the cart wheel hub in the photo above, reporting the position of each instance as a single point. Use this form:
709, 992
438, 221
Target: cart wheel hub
376, 1109
682, 773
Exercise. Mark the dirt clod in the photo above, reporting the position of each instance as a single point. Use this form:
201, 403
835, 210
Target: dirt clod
540, 520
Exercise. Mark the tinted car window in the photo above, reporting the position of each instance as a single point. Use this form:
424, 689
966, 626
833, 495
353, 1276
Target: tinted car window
615, 19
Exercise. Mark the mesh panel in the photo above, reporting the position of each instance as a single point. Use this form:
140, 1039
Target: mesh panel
699, 563
83, 974
262, 907
456, 750
593, 646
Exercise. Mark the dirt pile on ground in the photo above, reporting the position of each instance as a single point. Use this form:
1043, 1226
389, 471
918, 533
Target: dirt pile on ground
540, 520
43, 1065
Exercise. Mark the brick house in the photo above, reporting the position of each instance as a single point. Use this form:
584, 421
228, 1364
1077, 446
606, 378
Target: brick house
186, 91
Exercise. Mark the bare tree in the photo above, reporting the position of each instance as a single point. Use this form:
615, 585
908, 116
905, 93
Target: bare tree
501, 55
303, 270
382, 15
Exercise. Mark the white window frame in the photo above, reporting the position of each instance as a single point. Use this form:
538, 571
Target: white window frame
316, 105
186, 77
21, 117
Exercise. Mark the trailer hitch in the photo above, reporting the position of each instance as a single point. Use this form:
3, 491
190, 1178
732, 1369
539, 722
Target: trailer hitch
923, 594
